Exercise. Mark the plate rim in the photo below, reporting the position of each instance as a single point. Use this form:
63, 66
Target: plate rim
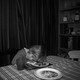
37, 65
41, 66
50, 69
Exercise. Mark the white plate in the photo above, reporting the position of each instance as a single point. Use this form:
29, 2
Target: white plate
37, 64
39, 73
42, 65
32, 63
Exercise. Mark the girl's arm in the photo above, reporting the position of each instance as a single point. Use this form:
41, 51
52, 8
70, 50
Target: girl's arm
20, 53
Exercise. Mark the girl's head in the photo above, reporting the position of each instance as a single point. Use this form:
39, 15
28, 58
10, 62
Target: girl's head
34, 52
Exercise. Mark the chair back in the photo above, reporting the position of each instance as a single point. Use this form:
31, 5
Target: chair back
74, 54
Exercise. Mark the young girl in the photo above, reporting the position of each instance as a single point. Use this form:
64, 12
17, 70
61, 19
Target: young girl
24, 55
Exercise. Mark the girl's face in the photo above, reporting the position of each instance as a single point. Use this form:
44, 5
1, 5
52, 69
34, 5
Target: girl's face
29, 56
33, 54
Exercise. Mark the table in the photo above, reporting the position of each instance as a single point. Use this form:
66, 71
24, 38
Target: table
69, 69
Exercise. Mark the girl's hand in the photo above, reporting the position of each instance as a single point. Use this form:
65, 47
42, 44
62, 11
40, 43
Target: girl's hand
15, 65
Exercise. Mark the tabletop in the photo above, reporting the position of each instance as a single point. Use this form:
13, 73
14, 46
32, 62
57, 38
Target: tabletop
70, 70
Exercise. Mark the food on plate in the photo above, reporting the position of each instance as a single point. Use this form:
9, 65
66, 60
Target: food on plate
42, 64
32, 63
49, 74
38, 64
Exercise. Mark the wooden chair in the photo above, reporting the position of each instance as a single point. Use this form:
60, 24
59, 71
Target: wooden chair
75, 54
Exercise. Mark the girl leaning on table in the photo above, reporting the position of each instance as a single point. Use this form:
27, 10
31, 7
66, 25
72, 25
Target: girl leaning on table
25, 55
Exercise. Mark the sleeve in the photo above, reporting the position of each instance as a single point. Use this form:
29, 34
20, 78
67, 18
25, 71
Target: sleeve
19, 54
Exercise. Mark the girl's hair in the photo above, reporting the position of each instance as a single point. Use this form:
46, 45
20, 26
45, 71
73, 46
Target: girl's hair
37, 49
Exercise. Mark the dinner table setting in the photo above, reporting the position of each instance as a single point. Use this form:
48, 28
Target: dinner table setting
55, 68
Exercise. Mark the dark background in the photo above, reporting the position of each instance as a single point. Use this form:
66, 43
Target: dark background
24, 23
